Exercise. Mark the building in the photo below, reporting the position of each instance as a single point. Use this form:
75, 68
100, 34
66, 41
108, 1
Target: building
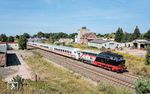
140, 43
3, 47
87, 37
84, 36
34, 40
3, 54
108, 44
12, 46
9, 46
65, 40
129, 44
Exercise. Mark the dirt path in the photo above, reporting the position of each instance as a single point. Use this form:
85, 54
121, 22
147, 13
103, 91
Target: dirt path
16, 63
136, 52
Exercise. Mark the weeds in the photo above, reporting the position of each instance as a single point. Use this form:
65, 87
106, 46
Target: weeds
136, 65
108, 89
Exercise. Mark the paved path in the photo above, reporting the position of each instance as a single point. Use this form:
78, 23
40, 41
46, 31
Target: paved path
20, 67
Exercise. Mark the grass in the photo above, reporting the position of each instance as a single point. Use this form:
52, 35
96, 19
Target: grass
106, 88
54, 79
136, 65
3, 86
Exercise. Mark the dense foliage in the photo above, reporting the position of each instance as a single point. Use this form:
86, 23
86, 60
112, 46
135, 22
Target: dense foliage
147, 35
147, 62
10, 39
122, 36
22, 42
142, 87
4, 38
26, 35
119, 35
136, 33
55, 36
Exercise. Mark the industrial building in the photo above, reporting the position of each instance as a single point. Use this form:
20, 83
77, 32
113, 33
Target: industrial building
141, 43
4, 46
100, 43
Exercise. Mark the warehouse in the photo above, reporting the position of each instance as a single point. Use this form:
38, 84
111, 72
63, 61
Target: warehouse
141, 43
99, 43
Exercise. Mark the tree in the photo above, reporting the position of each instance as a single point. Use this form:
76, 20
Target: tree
40, 34
136, 33
125, 37
147, 35
147, 62
62, 35
10, 39
119, 35
3, 38
26, 35
51, 39
99, 35
22, 42
46, 35
17, 36
72, 35
129, 37
142, 86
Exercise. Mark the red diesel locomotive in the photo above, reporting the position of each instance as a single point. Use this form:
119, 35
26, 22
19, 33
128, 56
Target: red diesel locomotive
107, 60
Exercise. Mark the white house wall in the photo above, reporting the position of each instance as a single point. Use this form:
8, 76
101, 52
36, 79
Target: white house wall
111, 45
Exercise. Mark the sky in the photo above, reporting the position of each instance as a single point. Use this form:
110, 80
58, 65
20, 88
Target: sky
100, 16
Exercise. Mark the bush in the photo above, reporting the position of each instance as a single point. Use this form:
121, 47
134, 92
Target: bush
18, 79
147, 62
142, 86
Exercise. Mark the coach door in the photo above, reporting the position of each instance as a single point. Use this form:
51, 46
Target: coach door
77, 54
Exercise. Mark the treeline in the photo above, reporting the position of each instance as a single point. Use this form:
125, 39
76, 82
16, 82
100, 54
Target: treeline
121, 36
4, 38
53, 36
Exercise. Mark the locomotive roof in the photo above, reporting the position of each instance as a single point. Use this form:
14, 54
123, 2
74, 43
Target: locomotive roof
109, 54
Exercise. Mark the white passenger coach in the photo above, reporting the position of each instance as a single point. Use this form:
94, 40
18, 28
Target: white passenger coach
66, 51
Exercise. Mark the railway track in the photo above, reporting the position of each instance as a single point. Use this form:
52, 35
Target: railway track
92, 72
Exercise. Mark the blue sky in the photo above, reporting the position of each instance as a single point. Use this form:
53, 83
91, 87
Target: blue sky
100, 16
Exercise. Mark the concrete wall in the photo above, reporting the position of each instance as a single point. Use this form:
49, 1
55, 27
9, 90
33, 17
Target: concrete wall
11, 46
3, 48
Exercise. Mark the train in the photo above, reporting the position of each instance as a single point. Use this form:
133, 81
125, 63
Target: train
107, 60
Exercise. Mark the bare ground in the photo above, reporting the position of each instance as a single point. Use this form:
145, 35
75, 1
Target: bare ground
136, 52
15, 66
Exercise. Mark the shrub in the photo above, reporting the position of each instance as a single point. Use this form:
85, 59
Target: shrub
142, 86
18, 79
147, 62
